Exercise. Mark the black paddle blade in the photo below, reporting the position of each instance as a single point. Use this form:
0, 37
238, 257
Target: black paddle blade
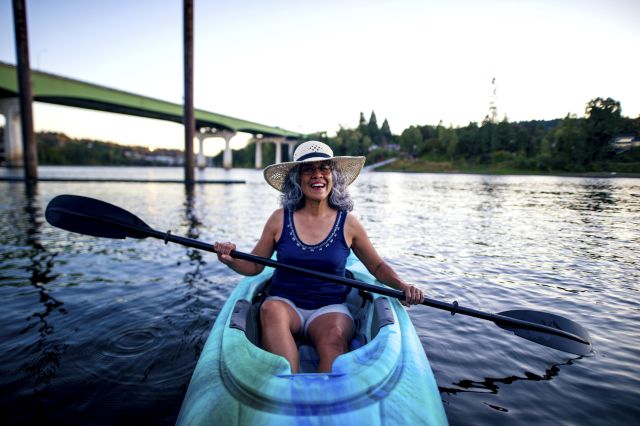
93, 217
548, 339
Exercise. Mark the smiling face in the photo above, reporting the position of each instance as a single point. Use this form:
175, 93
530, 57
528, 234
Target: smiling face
316, 180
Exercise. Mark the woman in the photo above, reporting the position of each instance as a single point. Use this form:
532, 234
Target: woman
312, 229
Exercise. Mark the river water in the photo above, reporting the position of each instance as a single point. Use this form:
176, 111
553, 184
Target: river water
98, 331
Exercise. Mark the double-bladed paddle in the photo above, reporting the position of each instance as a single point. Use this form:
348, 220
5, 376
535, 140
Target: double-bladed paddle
100, 219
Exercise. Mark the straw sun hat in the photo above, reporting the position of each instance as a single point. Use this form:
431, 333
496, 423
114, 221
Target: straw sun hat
311, 151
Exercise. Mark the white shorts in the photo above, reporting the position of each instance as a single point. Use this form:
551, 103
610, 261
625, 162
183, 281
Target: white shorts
308, 315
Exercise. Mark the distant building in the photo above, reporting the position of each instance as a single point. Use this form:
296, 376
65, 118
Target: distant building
164, 159
388, 147
624, 143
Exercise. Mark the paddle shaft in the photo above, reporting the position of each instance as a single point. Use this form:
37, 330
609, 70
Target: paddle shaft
454, 308
99, 219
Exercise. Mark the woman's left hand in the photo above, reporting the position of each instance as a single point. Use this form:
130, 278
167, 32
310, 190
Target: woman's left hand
413, 295
223, 250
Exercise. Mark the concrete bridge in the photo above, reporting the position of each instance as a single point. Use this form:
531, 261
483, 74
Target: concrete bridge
54, 89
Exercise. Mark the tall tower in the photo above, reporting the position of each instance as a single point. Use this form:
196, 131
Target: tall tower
492, 116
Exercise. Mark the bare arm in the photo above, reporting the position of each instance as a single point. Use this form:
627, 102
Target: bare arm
380, 269
264, 247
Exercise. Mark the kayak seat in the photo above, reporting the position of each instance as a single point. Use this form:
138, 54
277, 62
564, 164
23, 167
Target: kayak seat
382, 315
246, 317
243, 318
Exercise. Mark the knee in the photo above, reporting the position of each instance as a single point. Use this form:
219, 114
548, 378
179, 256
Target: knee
272, 310
335, 336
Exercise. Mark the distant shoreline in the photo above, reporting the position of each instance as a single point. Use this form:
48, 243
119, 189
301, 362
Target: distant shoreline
391, 165
598, 175
416, 166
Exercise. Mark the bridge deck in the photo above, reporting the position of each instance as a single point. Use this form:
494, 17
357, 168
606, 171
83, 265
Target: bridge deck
60, 90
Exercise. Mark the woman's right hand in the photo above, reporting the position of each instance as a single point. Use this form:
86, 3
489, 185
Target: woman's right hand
222, 251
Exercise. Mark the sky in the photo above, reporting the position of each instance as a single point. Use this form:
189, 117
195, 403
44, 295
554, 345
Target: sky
315, 66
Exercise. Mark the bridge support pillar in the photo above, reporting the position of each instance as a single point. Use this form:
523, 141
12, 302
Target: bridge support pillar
278, 151
290, 151
13, 149
227, 156
201, 160
258, 154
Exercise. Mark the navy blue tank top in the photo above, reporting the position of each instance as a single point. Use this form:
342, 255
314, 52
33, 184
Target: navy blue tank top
329, 256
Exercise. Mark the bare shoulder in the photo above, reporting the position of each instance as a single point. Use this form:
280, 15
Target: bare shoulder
360, 243
275, 222
277, 214
353, 225
354, 230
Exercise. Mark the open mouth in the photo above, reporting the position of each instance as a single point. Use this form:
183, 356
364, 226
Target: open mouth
318, 185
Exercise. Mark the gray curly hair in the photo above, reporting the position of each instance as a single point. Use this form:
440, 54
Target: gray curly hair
292, 197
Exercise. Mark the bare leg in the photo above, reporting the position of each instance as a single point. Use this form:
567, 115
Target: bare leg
330, 333
279, 323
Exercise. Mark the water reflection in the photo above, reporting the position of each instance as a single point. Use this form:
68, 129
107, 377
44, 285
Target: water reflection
41, 368
193, 225
491, 384
490, 197
199, 311
598, 197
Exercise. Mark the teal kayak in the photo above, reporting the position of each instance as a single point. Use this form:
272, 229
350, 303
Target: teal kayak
385, 379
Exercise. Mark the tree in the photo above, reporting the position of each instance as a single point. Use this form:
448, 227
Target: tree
631, 126
449, 140
487, 136
428, 132
350, 141
527, 138
362, 125
411, 141
604, 121
373, 129
365, 145
385, 134
468, 146
543, 159
570, 144
503, 138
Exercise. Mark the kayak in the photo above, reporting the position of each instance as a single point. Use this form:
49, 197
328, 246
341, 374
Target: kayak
385, 378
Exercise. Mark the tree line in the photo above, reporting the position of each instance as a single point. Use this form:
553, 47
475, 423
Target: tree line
570, 144
59, 149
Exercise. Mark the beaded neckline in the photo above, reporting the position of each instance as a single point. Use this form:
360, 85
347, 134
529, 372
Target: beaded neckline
321, 245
